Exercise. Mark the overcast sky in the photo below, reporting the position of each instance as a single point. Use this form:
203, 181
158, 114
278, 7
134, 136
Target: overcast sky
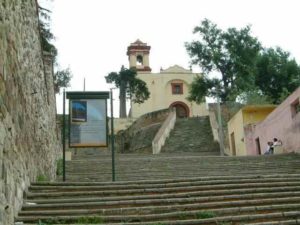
92, 35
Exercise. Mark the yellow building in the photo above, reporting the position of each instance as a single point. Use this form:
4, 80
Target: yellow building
240, 122
168, 88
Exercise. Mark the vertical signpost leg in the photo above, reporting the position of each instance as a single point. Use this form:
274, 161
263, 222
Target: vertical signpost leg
112, 136
64, 136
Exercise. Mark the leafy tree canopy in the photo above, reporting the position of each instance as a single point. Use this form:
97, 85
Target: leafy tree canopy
45, 32
254, 97
129, 85
62, 78
232, 53
249, 72
277, 74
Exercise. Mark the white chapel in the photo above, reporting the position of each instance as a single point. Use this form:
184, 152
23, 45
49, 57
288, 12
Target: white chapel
168, 88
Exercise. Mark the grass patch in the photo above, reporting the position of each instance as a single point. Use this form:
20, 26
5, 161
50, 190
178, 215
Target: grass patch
42, 178
59, 167
43, 223
50, 222
182, 216
205, 215
91, 220
81, 220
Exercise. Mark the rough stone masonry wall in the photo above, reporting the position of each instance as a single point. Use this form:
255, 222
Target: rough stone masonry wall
138, 137
28, 141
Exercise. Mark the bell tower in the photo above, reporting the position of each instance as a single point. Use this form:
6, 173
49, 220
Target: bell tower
138, 55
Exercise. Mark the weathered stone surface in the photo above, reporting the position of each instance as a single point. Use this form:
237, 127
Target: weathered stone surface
28, 140
138, 137
192, 135
190, 200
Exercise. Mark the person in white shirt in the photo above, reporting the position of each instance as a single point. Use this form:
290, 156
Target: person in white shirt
276, 142
270, 148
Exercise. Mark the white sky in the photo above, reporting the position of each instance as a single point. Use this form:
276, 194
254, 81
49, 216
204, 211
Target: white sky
92, 35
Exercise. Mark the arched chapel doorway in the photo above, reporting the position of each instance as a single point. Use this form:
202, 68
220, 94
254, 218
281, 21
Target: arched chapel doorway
182, 110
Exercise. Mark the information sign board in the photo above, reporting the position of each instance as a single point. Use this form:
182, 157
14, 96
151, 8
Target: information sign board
88, 120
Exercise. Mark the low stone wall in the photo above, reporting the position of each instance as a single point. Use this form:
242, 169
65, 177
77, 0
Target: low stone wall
150, 118
120, 124
163, 133
28, 140
138, 137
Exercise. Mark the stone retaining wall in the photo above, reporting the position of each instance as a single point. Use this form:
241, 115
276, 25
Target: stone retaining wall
138, 137
28, 141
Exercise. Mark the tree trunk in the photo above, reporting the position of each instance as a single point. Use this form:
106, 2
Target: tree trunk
123, 99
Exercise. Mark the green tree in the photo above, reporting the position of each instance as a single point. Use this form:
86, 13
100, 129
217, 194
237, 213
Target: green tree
277, 74
129, 85
254, 97
62, 78
45, 32
232, 53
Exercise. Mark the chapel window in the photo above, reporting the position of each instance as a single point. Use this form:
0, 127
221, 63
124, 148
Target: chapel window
177, 88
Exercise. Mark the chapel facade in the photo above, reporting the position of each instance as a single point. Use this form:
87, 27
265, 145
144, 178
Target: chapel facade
168, 88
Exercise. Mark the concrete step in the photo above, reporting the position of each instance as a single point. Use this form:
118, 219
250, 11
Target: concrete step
182, 218
282, 222
174, 180
110, 208
199, 196
99, 191
37, 187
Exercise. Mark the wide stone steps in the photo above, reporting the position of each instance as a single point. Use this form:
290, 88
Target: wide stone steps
165, 166
160, 205
197, 196
283, 222
94, 191
170, 189
192, 135
219, 209
70, 186
222, 215
196, 200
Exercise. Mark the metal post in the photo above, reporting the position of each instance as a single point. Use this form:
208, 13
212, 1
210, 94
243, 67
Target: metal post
64, 136
220, 127
112, 136
83, 84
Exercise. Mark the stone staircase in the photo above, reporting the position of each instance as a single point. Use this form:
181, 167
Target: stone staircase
96, 166
192, 135
169, 189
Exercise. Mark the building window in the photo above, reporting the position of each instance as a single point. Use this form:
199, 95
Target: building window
295, 107
177, 88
